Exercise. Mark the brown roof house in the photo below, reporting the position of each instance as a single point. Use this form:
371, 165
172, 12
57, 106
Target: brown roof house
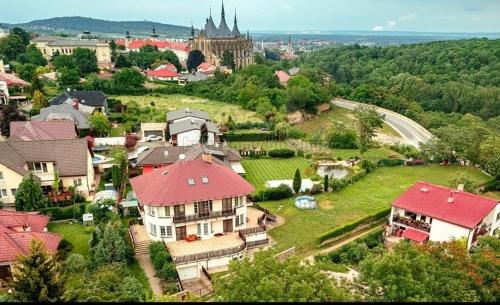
70, 158
42, 130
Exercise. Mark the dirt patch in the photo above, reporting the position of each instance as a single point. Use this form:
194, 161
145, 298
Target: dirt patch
326, 205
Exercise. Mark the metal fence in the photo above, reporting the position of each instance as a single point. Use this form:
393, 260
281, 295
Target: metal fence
208, 255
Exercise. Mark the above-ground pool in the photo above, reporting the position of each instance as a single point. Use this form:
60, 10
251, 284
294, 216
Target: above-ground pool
305, 202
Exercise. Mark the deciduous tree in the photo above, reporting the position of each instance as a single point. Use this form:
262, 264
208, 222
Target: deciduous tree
368, 121
195, 58
29, 195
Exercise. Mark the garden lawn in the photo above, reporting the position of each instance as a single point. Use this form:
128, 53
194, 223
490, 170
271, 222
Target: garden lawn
265, 145
372, 154
338, 114
76, 234
218, 111
261, 170
373, 193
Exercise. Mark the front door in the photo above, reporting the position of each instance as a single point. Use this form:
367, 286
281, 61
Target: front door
180, 233
227, 225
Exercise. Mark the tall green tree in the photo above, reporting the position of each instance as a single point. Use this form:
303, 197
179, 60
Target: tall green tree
110, 248
228, 59
122, 62
195, 58
128, 78
32, 55
68, 77
100, 124
8, 114
85, 61
489, 154
11, 46
25, 36
368, 121
297, 181
36, 276
29, 195
272, 280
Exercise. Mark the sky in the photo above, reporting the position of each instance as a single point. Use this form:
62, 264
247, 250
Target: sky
283, 15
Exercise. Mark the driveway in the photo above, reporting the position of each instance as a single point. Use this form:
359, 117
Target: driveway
411, 132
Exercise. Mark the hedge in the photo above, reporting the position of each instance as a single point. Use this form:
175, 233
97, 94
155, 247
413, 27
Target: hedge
284, 153
353, 225
274, 193
390, 162
162, 261
63, 213
248, 137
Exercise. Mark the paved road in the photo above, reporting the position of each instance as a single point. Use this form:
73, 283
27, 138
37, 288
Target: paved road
411, 132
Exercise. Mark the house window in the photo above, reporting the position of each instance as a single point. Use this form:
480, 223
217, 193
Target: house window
191, 181
3, 193
151, 211
210, 205
198, 229
166, 211
1, 176
77, 182
196, 207
152, 229
169, 231
242, 219
163, 231
498, 216
205, 228
204, 180
238, 201
423, 218
211, 228
38, 167
13, 191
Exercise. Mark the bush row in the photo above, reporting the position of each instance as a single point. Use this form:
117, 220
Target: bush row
274, 193
390, 162
338, 184
255, 136
62, 213
162, 262
284, 153
348, 228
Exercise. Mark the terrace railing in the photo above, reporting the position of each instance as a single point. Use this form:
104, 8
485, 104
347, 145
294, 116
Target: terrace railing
251, 231
257, 243
208, 255
202, 216
420, 225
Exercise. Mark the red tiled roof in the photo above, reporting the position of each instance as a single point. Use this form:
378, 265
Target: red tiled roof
42, 130
162, 73
14, 240
13, 80
415, 235
160, 44
206, 66
169, 186
466, 210
282, 76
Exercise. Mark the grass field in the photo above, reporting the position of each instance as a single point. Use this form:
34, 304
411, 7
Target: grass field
261, 170
79, 237
338, 114
266, 145
218, 111
371, 154
371, 194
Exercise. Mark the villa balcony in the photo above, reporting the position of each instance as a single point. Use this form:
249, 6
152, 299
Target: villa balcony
202, 216
419, 225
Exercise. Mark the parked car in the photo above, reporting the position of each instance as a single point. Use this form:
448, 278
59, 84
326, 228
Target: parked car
152, 138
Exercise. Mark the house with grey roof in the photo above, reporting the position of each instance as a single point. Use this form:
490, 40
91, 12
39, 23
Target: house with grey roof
65, 112
192, 77
189, 132
71, 159
85, 101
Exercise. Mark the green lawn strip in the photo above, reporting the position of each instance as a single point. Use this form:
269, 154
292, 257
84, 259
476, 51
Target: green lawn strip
371, 194
261, 170
117, 131
218, 110
265, 145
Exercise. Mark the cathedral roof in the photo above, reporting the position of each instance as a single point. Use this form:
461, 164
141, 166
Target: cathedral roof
222, 31
210, 28
236, 31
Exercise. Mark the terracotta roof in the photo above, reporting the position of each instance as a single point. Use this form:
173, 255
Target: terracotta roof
14, 240
206, 66
42, 130
13, 80
282, 76
169, 66
160, 44
415, 235
466, 210
169, 186
70, 156
162, 73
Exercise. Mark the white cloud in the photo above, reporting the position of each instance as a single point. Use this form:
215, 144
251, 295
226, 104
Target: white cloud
378, 28
389, 24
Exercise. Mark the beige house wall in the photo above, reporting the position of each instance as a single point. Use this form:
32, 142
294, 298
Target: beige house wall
11, 180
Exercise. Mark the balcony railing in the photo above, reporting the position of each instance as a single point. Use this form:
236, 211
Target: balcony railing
201, 216
207, 255
420, 225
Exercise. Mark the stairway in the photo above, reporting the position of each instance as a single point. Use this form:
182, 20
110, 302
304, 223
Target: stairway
142, 247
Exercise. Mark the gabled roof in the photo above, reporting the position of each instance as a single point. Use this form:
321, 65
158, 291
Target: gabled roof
187, 112
42, 130
91, 98
194, 77
14, 240
74, 42
160, 44
282, 76
206, 66
13, 80
466, 209
169, 186
63, 112
162, 73
70, 156
193, 124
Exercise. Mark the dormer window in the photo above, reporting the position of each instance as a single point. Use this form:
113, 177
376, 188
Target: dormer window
191, 181
204, 179
38, 167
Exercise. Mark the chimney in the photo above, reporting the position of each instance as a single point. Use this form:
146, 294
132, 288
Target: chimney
461, 187
450, 199
206, 157
76, 104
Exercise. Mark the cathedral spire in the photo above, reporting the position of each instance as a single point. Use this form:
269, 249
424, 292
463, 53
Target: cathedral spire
236, 31
223, 13
192, 29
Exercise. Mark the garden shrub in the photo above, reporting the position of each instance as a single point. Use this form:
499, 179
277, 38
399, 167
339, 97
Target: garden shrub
64, 248
284, 153
254, 136
162, 262
308, 156
350, 227
294, 133
63, 213
274, 193
316, 189
390, 162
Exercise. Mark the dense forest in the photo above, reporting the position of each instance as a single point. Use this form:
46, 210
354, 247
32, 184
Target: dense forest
439, 77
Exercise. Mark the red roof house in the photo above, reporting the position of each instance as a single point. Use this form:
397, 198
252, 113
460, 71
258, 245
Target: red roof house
189, 181
18, 229
282, 76
162, 74
13, 80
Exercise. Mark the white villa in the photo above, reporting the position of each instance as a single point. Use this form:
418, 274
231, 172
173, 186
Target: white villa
186, 125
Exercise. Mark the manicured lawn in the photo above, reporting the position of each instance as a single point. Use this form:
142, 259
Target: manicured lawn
261, 170
337, 114
372, 154
76, 234
218, 111
265, 145
117, 131
371, 194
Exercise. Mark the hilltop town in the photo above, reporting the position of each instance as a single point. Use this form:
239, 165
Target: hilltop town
212, 168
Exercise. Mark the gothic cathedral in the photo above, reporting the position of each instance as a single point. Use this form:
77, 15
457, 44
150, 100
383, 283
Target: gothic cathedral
213, 41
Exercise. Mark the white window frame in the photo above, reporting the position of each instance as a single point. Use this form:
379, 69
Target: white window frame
198, 229
205, 229
43, 167
163, 231
13, 192
169, 231
151, 211
3, 193
77, 182
152, 229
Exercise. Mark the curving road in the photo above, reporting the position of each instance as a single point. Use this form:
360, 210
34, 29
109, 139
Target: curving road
411, 132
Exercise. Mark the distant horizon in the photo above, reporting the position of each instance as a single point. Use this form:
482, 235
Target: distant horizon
443, 16
284, 31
